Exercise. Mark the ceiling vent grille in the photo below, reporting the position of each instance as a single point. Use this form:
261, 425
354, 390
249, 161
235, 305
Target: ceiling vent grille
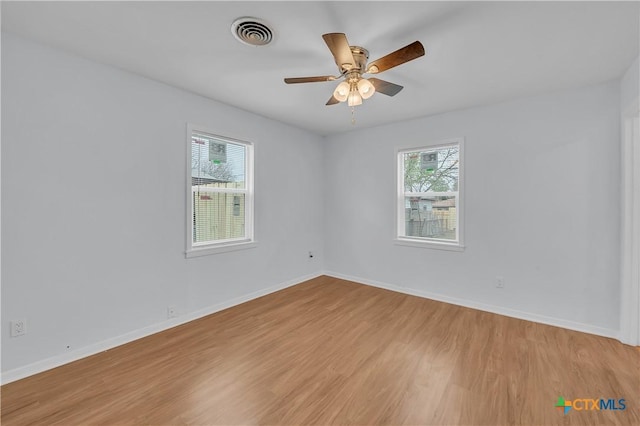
252, 31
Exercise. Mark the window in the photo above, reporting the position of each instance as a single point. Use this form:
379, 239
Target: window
429, 212
220, 194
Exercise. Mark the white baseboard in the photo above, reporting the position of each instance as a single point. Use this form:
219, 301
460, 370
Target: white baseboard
528, 316
58, 360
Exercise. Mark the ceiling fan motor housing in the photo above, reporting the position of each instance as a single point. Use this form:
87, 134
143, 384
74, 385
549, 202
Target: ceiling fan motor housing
360, 56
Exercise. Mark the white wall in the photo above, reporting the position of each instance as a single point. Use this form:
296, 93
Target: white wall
93, 203
542, 208
630, 85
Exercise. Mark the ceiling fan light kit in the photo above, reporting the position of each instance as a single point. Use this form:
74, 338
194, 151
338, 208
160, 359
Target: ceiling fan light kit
354, 98
342, 91
352, 64
366, 88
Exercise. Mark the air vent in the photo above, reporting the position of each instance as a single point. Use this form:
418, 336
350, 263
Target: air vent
251, 31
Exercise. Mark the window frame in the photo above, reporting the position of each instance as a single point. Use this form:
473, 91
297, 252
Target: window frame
425, 242
226, 245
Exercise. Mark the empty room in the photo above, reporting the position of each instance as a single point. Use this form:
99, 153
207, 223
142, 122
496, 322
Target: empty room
320, 213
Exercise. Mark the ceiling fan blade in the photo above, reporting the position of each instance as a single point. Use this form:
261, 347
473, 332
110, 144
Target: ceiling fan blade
339, 47
400, 56
294, 80
385, 87
332, 101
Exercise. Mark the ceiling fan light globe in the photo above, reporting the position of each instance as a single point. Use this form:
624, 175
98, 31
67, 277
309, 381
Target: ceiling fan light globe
342, 92
354, 98
365, 88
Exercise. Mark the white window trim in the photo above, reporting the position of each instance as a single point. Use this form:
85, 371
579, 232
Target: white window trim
429, 243
220, 246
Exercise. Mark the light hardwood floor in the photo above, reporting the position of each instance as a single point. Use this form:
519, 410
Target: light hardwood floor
330, 351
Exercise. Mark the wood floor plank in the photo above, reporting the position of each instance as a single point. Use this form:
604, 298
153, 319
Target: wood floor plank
330, 351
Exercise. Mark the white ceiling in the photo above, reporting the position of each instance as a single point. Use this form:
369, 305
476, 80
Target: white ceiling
477, 52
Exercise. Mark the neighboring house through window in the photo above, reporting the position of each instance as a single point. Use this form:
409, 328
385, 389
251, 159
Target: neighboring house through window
429, 209
220, 193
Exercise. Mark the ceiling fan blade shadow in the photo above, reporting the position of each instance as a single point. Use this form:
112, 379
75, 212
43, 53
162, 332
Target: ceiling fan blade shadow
399, 57
339, 47
295, 80
384, 87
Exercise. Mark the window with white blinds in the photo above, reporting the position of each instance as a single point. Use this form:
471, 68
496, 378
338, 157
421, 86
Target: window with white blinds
220, 193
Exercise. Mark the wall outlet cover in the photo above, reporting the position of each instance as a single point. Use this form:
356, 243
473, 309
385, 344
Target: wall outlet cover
18, 328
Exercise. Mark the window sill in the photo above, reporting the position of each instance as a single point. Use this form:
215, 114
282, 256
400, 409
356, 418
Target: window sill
217, 249
429, 244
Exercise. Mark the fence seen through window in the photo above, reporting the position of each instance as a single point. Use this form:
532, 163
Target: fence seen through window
219, 190
429, 202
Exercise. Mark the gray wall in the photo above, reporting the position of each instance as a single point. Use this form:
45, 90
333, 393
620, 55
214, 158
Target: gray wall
629, 85
542, 208
93, 203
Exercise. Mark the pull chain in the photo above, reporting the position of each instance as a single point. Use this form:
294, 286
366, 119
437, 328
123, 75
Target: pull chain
353, 116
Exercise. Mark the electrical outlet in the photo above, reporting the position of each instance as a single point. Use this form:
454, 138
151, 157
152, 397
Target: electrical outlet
171, 312
18, 328
499, 282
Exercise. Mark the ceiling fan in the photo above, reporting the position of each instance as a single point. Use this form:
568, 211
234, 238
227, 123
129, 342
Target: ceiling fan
352, 64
